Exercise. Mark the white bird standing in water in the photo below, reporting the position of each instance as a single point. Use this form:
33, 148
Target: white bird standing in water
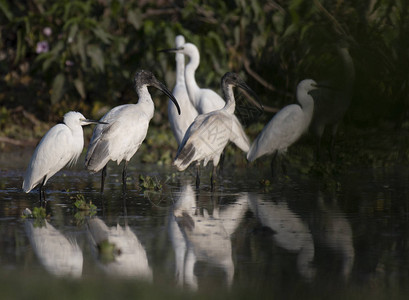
127, 128
209, 134
60, 146
204, 100
332, 104
178, 124
287, 126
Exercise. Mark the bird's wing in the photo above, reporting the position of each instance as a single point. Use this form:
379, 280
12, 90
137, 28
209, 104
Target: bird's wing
52, 154
238, 136
205, 138
111, 140
282, 130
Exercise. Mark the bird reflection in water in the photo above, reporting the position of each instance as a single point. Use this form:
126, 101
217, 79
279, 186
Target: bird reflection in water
290, 232
118, 250
333, 231
198, 236
59, 255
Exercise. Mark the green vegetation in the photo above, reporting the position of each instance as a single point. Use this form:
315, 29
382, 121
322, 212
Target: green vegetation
82, 205
81, 55
149, 183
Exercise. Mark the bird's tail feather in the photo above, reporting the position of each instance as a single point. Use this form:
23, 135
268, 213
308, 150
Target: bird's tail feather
184, 157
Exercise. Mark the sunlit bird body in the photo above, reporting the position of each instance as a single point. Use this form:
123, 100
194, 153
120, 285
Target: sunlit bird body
208, 135
332, 104
60, 146
126, 130
179, 124
287, 126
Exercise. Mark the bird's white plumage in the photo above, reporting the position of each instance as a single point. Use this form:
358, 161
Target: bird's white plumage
287, 126
204, 100
209, 134
179, 124
60, 146
121, 137
127, 128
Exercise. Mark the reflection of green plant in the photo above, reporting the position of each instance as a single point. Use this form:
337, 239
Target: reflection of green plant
149, 183
39, 216
107, 252
82, 205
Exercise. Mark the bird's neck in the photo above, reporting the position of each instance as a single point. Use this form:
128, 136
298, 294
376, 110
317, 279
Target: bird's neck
78, 135
145, 100
228, 93
180, 68
307, 104
191, 85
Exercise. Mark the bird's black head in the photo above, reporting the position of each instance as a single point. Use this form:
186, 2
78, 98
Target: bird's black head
143, 77
231, 78
146, 78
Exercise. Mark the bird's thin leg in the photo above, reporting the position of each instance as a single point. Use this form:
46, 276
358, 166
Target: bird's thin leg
124, 176
41, 190
212, 179
221, 163
284, 165
332, 142
103, 175
197, 175
318, 150
272, 165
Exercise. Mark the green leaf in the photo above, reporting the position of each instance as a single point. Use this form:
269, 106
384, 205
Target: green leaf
79, 85
4, 7
57, 88
102, 35
135, 18
97, 57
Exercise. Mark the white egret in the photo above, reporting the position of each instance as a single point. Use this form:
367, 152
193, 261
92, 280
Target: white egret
204, 100
287, 126
60, 146
209, 134
127, 128
178, 124
332, 104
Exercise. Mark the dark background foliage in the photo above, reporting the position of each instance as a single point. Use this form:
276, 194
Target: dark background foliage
95, 47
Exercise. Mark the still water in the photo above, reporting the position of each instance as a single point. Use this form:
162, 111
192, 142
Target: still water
303, 236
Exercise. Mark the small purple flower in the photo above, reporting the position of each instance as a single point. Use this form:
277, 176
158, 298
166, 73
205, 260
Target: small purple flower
69, 63
47, 31
42, 47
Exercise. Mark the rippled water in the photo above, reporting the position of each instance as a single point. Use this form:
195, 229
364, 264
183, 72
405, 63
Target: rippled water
302, 236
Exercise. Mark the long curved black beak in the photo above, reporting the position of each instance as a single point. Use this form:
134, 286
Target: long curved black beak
160, 86
242, 85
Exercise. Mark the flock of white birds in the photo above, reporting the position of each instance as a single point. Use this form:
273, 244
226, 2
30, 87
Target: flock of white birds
202, 122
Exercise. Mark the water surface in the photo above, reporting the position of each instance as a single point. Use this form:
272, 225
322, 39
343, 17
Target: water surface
302, 236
